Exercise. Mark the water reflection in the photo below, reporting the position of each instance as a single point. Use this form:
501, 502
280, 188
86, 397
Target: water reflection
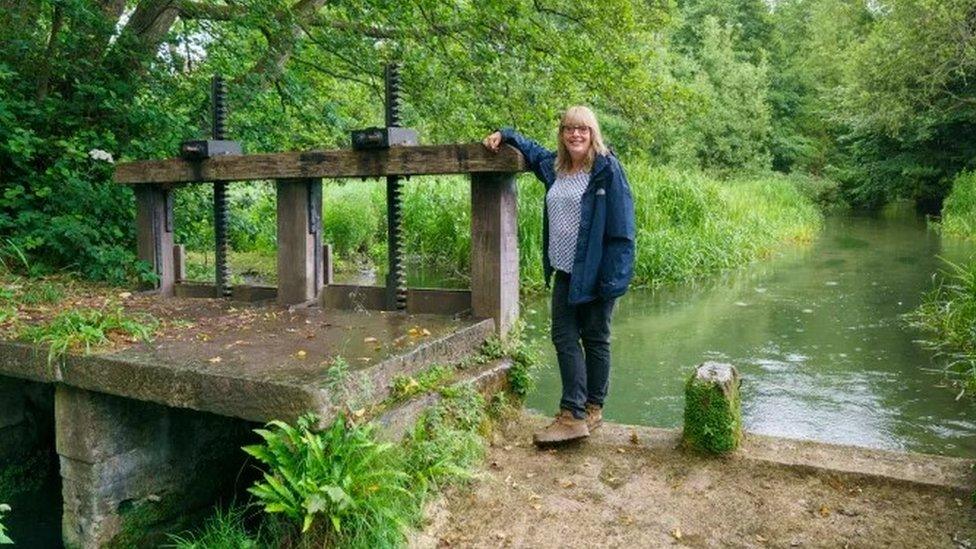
816, 333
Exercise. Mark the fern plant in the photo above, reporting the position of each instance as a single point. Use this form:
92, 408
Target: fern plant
339, 484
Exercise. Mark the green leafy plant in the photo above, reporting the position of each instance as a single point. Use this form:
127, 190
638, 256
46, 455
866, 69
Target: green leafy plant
4, 538
525, 358
445, 443
339, 484
407, 386
88, 328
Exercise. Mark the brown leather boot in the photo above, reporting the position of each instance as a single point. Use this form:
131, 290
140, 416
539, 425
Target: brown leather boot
594, 416
564, 429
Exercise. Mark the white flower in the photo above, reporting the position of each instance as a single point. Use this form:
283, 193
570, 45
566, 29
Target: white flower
99, 154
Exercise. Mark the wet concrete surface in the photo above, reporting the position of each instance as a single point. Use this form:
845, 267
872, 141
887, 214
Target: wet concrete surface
257, 361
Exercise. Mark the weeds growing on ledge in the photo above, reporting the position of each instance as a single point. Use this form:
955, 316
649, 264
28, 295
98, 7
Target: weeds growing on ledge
88, 328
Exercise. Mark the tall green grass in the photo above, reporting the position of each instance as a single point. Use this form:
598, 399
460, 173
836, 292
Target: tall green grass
689, 224
959, 209
947, 316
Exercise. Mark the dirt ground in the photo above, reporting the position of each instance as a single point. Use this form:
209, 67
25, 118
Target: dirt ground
611, 492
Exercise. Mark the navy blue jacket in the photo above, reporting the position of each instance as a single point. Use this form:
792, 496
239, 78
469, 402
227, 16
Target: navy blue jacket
604, 262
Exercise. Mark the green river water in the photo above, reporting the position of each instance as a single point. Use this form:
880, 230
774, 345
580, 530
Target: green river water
817, 334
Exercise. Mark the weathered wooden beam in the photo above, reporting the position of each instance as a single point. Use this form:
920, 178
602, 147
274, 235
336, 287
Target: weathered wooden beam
299, 240
494, 249
154, 234
414, 160
179, 262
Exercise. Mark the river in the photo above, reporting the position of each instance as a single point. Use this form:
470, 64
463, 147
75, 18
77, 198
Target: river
816, 332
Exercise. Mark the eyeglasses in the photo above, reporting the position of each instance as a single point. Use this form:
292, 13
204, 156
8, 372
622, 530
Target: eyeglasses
575, 129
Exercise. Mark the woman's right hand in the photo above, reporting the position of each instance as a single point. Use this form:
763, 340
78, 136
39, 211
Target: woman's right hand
493, 141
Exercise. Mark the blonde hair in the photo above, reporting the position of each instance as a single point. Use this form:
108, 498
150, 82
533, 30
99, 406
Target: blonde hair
579, 115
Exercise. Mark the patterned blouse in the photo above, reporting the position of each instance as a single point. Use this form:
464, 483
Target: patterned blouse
563, 207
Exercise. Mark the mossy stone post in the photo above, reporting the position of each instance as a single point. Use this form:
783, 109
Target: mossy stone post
713, 415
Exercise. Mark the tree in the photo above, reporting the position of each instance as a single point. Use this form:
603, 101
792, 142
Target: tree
86, 80
730, 128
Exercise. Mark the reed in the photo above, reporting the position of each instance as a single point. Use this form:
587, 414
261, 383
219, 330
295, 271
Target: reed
690, 225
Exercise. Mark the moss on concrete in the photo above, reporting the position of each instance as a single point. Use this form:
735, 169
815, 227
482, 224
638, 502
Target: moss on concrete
713, 415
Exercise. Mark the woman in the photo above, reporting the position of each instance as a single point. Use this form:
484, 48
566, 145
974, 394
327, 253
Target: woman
588, 244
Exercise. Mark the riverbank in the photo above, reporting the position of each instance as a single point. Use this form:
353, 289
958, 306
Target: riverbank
948, 312
630, 487
690, 226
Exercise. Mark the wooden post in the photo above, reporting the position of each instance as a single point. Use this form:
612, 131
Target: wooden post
154, 233
494, 249
179, 262
300, 274
327, 263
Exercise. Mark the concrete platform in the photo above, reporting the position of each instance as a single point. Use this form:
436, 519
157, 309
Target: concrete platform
256, 362
148, 433
956, 475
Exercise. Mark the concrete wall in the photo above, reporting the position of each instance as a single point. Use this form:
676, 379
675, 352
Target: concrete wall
133, 469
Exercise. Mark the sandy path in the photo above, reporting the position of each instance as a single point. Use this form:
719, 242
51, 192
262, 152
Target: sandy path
608, 492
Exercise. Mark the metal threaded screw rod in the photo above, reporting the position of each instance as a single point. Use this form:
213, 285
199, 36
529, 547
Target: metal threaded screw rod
221, 214
396, 278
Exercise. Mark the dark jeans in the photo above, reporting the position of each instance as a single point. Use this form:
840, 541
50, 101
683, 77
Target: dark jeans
585, 371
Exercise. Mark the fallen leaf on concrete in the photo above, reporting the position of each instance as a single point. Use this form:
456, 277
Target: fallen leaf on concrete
621, 450
301, 354
676, 533
359, 413
215, 359
824, 511
534, 496
633, 437
125, 295
507, 448
536, 506
529, 475
760, 539
370, 340
566, 483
